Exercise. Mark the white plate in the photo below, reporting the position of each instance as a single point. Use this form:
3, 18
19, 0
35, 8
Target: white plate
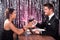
38, 29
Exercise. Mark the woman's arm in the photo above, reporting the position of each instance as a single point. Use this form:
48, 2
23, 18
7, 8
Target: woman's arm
16, 30
20, 31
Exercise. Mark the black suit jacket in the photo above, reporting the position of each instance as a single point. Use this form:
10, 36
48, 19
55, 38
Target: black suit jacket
51, 27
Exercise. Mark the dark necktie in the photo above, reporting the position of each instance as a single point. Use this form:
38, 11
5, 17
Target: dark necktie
47, 19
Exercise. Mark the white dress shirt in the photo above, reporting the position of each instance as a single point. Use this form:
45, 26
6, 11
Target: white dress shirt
50, 16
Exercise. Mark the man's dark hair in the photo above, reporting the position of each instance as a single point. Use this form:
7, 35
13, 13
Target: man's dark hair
50, 6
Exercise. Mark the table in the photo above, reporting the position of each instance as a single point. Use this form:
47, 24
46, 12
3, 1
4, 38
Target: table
35, 37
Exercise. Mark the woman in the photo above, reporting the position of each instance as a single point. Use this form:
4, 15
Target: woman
9, 27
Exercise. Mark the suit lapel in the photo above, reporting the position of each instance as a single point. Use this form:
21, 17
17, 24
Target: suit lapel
52, 18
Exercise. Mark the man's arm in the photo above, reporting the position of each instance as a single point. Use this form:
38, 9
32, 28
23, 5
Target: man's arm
42, 25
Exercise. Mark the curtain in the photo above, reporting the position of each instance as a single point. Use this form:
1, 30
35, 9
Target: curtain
26, 9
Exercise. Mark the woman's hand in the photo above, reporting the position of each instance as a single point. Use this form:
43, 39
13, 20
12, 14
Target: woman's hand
31, 24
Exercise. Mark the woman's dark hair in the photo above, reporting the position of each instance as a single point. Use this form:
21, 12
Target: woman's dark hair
8, 12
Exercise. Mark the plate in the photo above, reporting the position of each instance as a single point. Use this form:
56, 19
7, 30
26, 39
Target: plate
38, 29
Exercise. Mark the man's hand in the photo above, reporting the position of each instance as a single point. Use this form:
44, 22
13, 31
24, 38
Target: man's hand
31, 24
36, 31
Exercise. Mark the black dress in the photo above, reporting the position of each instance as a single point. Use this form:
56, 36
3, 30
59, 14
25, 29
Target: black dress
7, 35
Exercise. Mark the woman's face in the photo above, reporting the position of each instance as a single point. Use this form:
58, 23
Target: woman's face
13, 14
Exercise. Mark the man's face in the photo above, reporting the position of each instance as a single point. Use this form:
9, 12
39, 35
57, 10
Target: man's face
46, 10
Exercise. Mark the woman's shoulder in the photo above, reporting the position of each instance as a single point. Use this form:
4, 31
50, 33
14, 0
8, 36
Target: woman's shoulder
6, 22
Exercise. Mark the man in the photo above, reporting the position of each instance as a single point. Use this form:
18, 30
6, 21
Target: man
51, 24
